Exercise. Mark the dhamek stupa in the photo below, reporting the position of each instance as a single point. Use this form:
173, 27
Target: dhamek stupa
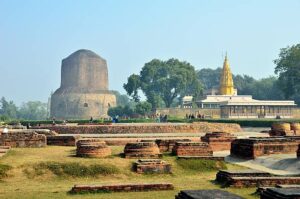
83, 92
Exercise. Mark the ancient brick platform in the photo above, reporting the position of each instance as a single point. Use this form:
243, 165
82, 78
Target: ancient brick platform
166, 145
281, 193
4, 150
216, 158
142, 150
152, 166
206, 194
63, 140
199, 127
254, 147
92, 148
218, 141
261, 181
192, 149
223, 176
122, 187
23, 138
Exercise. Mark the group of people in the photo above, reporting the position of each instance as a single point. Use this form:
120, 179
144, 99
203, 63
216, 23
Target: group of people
161, 118
192, 116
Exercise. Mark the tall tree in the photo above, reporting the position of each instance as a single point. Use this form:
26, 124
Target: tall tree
33, 110
164, 81
288, 70
8, 109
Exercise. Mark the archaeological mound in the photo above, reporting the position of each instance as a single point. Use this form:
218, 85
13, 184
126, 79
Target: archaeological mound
94, 148
83, 92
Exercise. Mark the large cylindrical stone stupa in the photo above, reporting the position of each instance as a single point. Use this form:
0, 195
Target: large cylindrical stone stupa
83, 92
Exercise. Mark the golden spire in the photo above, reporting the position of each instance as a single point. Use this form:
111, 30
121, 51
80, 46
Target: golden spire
226, 82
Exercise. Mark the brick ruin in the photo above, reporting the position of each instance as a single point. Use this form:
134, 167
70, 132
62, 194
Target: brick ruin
4, 150
122, 187
192, 149
94, 148
166, 145
22, 138
218, 141
280, 193
251, 148
210, 193
63, 140
285, 129
298, 152
199, 127
152, 166
142, 150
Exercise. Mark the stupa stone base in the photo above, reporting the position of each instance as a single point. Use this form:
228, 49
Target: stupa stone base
152, 166
166, 145
192, 149
254, 147
142, 150
92, 148
218, 141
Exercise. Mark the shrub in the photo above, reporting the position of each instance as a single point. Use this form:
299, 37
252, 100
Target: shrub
201, 165
3, 170
75, 169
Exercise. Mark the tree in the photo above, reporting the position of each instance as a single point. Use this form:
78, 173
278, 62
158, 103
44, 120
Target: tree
209, 77
164, 81
122, 111
288, 70
122, 100
8, 110
143, 108
33, 110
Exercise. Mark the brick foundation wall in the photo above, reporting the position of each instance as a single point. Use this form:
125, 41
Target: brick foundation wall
192, 149
152, 166
23, 138
142, 150
261, 181
218, 141
65, 140
201, 127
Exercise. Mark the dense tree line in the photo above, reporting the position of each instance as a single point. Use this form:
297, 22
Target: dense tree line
32, 110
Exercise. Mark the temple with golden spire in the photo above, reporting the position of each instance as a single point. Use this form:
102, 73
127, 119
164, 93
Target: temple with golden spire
224, 102
226, 81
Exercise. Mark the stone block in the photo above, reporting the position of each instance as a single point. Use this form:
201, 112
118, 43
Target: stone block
122, 187
206, 194
152, 166
192, 149
223, 176
142, 150
218, 141
281, 193
261, 181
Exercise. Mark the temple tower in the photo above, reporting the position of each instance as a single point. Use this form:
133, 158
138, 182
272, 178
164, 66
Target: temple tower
83, 92
226, 81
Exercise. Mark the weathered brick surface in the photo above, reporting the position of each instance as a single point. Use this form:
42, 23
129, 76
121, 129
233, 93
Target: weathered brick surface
298, 151
92, 148
201, 127
166, 145
218, 141
206, 194
64, 140
23, 138
216, 158
223, 176
192, 149
280, 193
285, 129
142, 150
152, 166
4, 150
261, 181
254, 147
122, 187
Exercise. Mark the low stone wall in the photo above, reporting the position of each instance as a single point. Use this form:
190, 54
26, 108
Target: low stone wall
166, 145
23, 138
254, 147
142, 150
64, 140
192, 149
199, 127
122, 187
223, 176
210, 193
218, 141
152, 166
261, 181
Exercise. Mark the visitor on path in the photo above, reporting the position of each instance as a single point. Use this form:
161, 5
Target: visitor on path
91, 120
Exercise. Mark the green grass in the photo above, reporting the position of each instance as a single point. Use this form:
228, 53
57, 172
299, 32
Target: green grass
56, 179
4, 170
201, 165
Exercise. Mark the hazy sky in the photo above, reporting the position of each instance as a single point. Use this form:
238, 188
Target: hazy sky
36, 35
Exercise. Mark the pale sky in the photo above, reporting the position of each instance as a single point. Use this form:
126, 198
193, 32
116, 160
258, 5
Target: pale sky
36, 35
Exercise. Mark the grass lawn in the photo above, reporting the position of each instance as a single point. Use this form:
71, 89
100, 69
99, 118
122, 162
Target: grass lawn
23, 182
